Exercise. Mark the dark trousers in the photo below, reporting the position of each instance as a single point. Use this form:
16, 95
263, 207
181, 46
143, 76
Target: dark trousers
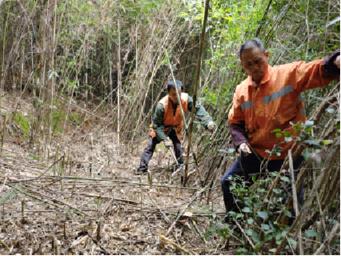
149, 150
250, 164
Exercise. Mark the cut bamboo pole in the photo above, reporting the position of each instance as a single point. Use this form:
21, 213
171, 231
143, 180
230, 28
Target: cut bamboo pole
119, 79
196, 85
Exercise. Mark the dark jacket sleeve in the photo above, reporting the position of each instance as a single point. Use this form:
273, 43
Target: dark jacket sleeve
200, 112
238, 134
158, 122
330, 70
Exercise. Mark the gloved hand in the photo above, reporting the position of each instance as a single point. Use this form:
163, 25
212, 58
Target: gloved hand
211, 126
168, 143
244, 148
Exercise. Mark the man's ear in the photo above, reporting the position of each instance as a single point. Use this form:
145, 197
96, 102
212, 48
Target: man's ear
240, 62
267, 54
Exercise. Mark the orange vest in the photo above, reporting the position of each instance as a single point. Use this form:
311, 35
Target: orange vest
274, 103
172, 118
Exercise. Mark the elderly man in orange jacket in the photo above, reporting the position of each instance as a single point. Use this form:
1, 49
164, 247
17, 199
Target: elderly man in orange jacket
269, 99
168, 123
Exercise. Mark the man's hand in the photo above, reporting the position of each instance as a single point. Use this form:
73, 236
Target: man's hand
244, 148
168, 143
337, 62
211, 126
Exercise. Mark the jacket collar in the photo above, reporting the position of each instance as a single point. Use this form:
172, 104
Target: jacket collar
265, 78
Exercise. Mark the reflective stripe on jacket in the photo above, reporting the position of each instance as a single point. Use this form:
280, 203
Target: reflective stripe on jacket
275, 103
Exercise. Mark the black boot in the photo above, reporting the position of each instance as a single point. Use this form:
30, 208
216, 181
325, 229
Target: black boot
141, 170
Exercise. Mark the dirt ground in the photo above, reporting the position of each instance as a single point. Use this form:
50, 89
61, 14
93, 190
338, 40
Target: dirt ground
79, 195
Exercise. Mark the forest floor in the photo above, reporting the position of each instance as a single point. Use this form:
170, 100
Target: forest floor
79, 195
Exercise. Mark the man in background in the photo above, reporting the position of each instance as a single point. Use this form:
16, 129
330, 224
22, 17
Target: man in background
168, 123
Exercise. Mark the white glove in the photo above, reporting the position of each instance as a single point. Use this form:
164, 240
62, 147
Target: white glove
168, 143
211, 126
244, 148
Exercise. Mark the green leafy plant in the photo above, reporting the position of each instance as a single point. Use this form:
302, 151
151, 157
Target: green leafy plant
23, 123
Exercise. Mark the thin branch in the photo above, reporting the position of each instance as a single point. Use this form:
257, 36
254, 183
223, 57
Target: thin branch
333, 233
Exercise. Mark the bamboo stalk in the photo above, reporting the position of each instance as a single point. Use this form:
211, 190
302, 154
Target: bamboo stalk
332, 234
119, 79
22, 211
196, 85
98, 230
245, 235
295, 201
324, 227
196, 195
3, 133
109, 179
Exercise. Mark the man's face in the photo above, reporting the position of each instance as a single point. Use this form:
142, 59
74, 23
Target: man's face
173, 96
255, 62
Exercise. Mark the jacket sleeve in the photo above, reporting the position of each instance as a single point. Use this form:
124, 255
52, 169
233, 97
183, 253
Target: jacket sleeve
236, 122
318, 73
158, 122
238, 134
200, 113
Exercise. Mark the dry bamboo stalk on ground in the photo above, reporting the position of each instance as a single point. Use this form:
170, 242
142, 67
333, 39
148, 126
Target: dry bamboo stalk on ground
166, 240
196, 195
41, 197
109, 179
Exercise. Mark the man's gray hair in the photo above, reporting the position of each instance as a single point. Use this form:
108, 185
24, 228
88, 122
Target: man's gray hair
250, 44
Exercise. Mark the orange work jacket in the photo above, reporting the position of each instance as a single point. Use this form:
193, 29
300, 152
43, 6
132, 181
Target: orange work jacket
172, 118
274, 103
